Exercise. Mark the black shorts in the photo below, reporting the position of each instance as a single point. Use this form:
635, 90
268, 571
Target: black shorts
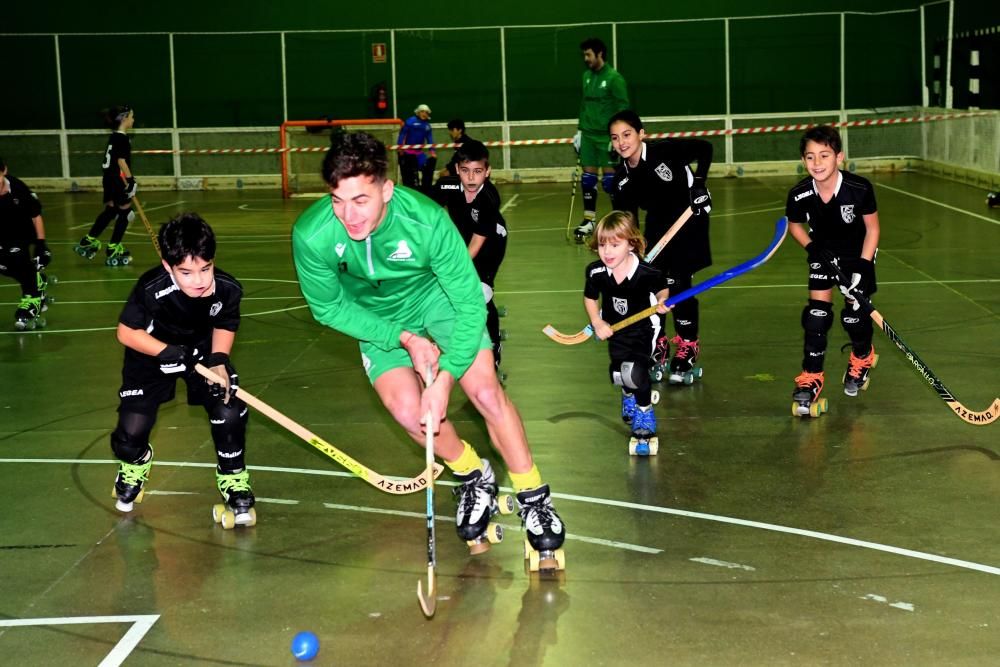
820, 278
114, 191
144, 388
634, 343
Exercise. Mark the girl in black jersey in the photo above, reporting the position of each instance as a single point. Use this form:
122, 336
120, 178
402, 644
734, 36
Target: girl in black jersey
625, 285
119, 188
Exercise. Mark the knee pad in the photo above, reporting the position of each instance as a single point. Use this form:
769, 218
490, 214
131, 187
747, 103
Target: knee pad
607, 182
131, 216
817, 317
857, 325
630, 374
588, 181
130, 439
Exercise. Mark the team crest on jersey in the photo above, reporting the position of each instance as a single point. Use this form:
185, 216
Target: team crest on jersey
402, 253
847, 213
215, 309
663, 171
621, 305
474, 212
340, 248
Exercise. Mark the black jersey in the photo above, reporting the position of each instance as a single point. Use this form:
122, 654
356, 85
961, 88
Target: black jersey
838, 224
661, 185
119, 147
18, 208
620, 300
158, 306
480, 216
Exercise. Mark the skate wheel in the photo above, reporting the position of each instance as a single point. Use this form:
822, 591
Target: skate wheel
494, 533
533, 561
527, 549
633, 443
228, 519
126, 260
689, 378
795, 410
248, 518
824, 405
874, 361
864, 387
217, 512
560, 559
138, 498
655, 397
656, 374
654, 446
506, 504
698, 372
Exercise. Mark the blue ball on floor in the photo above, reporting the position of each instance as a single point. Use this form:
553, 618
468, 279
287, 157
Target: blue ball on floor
305, 646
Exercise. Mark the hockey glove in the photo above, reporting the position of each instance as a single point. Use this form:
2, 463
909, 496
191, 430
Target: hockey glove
43, 256
577, 140
821, 258
701, 199
130, 187
177, 359
861, 282
218, 363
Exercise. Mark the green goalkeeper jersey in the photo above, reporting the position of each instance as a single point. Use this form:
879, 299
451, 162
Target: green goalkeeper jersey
604, 95
374, 289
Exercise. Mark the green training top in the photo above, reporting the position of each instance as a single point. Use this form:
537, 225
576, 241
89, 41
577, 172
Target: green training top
375, 289
604, 95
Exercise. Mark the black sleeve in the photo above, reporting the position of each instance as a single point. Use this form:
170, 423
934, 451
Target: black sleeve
231, 293
868, 205
489, 212
30, 201
136, 313
623, 194
794, 210
693, 150
591, 290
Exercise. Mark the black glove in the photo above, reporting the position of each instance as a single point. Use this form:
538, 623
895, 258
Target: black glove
178, 359
819, 254
701, 199
218, 363
130, 187
859, 282
43, 256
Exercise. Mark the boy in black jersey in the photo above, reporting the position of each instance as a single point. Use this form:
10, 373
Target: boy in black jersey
626, 285
657, 176
181, 313
21, 225
474, 206
834, 217
119, 188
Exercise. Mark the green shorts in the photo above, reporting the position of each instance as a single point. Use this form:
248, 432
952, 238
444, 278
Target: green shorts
596, 151
439, 321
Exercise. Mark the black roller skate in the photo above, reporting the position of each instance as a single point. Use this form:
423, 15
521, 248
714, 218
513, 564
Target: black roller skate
856, 376
43, 286
992, 199
239, 501
477, 503
644, 441
129, 482
683, 365
805, 398
87, 247
660, 359
584, 230
543, 529
117, 254
28, 315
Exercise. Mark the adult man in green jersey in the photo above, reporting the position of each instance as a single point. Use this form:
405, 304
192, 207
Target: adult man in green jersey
604, 95
386, 265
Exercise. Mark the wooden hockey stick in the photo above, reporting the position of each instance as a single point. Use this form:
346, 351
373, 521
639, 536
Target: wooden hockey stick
780, 228
572, 200
671, 233
976, 418
428, 602
145, 222
396, 486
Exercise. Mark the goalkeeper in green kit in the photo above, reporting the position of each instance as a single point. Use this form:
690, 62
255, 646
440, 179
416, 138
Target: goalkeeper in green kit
385, 265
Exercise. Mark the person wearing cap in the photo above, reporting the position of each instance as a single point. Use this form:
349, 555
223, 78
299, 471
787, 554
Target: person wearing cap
416, 167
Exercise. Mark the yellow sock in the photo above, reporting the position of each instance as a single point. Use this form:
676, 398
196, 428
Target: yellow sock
467, 461
526, 480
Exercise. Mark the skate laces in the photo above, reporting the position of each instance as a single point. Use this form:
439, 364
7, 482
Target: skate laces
470, 492
685, 348
116, 248
662, 349
644, 420
238, 481
859, 364
135, 474
807, 379
30, 303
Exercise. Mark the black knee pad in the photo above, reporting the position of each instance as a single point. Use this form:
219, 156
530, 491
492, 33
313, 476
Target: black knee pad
229, 427
631, 375
130, 439
857, 325
817, 317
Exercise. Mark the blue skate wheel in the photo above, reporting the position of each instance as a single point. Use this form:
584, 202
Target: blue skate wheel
305, 646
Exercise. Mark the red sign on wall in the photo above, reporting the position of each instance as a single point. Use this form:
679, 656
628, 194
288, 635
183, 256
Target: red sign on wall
378, 52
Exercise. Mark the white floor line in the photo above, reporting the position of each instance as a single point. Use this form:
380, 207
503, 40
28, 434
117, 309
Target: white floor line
510, 202
938, 203
122, 650
827, 537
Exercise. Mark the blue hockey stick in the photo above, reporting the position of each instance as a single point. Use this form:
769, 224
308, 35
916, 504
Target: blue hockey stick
780, 229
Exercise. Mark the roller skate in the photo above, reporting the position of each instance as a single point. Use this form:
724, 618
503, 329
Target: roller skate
239, 501
43, 281
477, 503
129, 482
543, 529
628, 408
584, 230
117, 254
992, 200
805, 398
660, 359
683, 366
28, 315
644, 441
87, 247
856, 376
